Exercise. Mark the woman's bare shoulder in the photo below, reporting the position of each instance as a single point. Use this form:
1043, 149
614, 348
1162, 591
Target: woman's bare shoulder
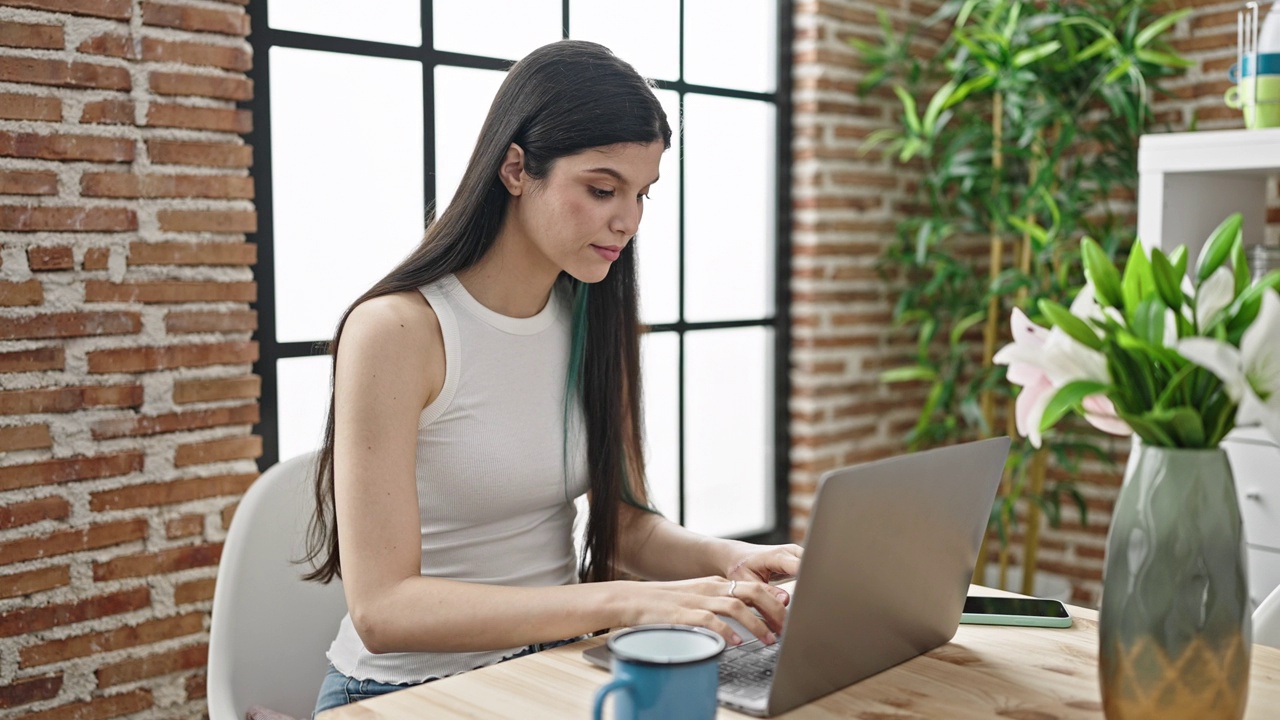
399, 333
398, 317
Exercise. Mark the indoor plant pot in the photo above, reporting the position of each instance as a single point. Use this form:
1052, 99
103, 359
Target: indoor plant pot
1176, 358
1174, 632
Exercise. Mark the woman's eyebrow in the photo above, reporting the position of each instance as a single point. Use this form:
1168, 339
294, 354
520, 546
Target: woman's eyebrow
614, 174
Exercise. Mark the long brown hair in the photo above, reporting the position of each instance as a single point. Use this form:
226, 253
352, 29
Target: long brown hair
561, 99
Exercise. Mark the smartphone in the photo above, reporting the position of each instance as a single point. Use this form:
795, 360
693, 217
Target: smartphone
1034, 612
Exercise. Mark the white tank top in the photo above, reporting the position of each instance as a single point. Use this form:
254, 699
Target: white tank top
495, 504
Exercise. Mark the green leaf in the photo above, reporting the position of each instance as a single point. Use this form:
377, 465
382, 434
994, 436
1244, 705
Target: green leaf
1181, 423
1163, 59
1147, 320
908, 109
907, 374
1153, 30
966, 10
1166, 279
1102, 274
1178, 258
922, 243
1068, 398
1052, 508
1096, 47
1270, 280
1137, 281
1174, 385
936, 105
963, 324
1241, 313
1031, 229
910, 148
931, 404
883, 135
1070, 324
927, 330
1030, 55
1240, 266
978, 84
1246, 308
1011, 23
1149, 431
1118, 71
1052, 205
1081, 506
1218, 247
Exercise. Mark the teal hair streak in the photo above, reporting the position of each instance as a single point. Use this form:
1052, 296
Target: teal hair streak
572, 385
573, 375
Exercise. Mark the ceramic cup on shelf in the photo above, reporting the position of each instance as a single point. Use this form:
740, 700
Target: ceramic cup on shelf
663, 672
1257, 90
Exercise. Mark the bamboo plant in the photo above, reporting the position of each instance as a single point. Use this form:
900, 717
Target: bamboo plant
1025, 126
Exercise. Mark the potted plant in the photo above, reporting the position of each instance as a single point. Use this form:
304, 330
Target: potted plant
1177, 356
1024, 127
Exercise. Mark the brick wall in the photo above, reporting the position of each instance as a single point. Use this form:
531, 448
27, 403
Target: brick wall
126, 399
845, 206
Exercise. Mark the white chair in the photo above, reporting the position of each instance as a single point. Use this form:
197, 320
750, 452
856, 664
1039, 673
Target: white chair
270, 628
1266, 620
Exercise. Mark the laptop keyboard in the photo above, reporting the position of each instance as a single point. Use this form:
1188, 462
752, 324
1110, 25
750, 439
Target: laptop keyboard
747, 670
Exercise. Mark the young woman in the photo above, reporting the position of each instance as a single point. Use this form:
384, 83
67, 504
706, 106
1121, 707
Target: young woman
491, 379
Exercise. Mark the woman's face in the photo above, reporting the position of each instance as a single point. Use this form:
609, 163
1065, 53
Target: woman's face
587, 208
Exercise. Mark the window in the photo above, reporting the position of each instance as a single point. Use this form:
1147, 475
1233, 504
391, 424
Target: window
364, 118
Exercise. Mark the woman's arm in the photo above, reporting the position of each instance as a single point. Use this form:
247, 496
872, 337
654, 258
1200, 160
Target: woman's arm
390, 365
651, 546
656, 548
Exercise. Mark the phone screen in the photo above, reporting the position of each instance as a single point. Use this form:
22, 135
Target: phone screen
1033, 607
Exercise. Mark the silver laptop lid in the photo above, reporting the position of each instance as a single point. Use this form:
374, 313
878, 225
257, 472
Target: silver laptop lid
890, 553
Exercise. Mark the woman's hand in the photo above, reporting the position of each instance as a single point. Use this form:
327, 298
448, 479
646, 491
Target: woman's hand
700, 601
763, 563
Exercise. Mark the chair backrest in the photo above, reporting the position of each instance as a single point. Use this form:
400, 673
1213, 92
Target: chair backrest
270, 628
1266, 621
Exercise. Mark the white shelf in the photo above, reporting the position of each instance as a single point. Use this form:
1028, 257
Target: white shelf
1231, 152
1190, 182
1187, 184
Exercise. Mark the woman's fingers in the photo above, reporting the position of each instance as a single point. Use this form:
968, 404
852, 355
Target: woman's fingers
706, 601
737, 609
712, 622
737, 597
768, 562
765, 599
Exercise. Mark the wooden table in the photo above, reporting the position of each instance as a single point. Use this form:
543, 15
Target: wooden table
985, 672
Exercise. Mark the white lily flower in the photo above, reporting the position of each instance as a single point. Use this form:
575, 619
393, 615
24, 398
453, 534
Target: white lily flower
1214, 295
1041, 361
1023, 356
1066, 360
1170, 338
1188, 291
1251, 374
1085, 305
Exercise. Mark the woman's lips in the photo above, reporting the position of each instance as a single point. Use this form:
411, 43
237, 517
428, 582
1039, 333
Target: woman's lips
608, 252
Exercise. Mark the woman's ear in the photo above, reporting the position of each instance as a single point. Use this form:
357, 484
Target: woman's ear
511, 171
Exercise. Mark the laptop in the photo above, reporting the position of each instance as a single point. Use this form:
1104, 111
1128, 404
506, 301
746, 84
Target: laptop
890, 553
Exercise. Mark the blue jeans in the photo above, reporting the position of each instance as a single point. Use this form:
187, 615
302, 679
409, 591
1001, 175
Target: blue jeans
337, 689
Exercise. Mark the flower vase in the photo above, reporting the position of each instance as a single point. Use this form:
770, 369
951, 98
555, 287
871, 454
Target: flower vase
1174, 626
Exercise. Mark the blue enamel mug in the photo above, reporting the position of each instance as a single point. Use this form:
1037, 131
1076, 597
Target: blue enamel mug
663, 672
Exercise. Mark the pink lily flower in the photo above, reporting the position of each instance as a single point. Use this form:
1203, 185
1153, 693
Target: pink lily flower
1041, 361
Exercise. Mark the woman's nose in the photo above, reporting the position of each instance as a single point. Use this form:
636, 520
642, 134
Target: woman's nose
627, 222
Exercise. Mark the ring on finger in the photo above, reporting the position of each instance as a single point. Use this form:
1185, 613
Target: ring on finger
733, 586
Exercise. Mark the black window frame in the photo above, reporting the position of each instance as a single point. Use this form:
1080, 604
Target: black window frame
271, 351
